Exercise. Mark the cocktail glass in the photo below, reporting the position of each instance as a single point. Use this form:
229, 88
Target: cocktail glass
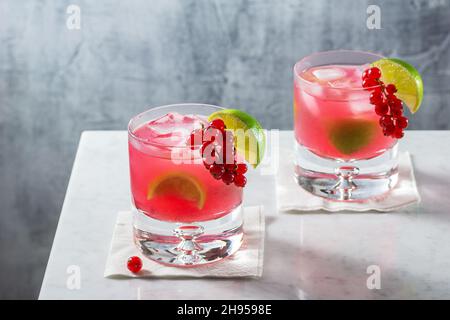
341, 151
183, 216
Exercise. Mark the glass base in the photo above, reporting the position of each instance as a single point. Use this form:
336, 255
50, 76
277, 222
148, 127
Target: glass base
188, 244
357, 180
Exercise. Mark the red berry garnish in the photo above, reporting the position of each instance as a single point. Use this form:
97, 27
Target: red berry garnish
241, 168
134, 264
372, 73
398, 133
376, 97
381, 109
388, 129
386, 121
218, 124
230, 167
391, 89
401, 122
396, 113
217, 171
228, 177
387, 105
240, 180
394, 102
369, 83
219, 154
365, 74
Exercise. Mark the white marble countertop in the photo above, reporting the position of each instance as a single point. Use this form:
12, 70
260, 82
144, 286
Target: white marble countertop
308, 256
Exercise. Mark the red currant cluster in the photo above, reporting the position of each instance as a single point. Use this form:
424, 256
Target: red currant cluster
219, 153
387, 105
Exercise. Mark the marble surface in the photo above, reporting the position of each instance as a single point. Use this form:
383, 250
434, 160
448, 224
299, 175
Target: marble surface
308, 256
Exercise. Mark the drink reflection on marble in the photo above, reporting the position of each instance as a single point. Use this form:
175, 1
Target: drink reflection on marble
341, 151
184, 216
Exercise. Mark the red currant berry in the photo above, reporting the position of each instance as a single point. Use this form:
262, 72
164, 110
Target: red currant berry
402, 122
398, 133
381, 109
228, 177
218, 124
217, 171
365, 74
376, 97
212, 134
369, 84
374, 73
240, 180
386, 121
394, 102
396, 113
134, 264
388, 129
391, 89
241, 168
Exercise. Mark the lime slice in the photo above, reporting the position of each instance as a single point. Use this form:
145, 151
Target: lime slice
249, 135
350, 136
180, 184
405, 77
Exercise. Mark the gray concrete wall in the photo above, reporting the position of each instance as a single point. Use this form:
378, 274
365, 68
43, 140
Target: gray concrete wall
128, 55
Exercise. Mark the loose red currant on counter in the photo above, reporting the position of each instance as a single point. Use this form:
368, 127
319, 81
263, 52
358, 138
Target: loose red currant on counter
134, 264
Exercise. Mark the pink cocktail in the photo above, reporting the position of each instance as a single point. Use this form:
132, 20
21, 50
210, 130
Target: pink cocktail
341, 151
333, 116
184, 216
188, 192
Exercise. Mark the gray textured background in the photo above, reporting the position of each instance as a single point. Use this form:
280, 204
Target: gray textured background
54, 83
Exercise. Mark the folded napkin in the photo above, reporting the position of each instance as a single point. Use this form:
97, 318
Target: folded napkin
247, 262
292, 197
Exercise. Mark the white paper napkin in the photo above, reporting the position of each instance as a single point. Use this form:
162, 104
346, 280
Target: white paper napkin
292, 197
247, 262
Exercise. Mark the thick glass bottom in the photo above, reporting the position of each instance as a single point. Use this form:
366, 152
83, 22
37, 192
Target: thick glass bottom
188, 244
357, 180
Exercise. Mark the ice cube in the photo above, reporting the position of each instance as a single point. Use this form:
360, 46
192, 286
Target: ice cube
173, 129
328, 74
360, 106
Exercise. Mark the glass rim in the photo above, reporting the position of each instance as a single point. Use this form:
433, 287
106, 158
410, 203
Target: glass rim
316, 54
140, 115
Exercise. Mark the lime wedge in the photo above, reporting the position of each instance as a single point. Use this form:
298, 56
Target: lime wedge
180, 184
350, 136
249, 135
405, 77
